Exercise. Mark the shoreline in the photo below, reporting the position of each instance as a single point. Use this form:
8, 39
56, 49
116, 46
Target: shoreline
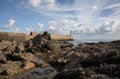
85, 60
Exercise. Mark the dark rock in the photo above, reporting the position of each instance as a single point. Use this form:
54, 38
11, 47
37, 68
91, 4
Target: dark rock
38, 40
71, 74
93, 60
96, 59
20, 56
48, 71
46, 35
28, 44
66, 44
52, 45
112, 57
112, 70
38, 72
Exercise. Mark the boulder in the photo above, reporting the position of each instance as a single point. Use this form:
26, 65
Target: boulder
66, 44
28, 65
38, 40
9, 72
44, 65
4, 44
11, 49
46, 35
93, 60
62, 61
28, 44
71, 74
111, 70
21, 56
3, 58
21, 47
40, 64
52, 45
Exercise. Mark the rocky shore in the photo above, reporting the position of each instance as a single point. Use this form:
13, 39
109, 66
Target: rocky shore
44, 58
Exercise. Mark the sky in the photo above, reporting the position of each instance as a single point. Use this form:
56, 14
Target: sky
87, 19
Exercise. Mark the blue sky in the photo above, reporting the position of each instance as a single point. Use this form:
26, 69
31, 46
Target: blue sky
87, 19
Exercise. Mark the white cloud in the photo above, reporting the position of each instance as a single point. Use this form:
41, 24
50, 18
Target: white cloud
95, 7
61, 26
17, 30
34, 3
113, 27
10, 24
28, 29
88, 28
42, 5
82, 16
40, 27
64, 26
117, 5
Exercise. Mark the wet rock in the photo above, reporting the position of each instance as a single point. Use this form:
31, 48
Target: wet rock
114, 60
59, 63
66, 44
111, 70
94, 59
112, 57
38, 72
71, 74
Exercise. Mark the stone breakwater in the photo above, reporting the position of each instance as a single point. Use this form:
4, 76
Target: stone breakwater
25, 37
58, 59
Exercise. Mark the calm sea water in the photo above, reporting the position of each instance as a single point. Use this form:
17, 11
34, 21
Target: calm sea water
80, 41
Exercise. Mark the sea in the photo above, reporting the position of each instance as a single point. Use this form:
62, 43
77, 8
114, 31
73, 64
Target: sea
81, 41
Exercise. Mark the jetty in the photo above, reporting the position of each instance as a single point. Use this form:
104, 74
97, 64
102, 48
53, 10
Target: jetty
24, 37
61, 37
